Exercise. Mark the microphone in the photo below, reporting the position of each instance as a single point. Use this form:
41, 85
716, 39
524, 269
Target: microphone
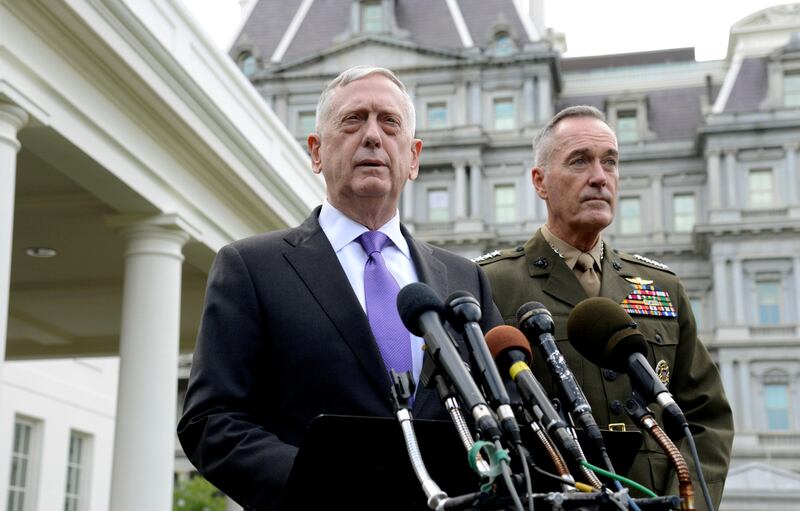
601, 331
512, 353
421, 311
463, 312
536, 323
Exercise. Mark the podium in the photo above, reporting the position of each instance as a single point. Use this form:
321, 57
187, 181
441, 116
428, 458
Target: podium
350, 462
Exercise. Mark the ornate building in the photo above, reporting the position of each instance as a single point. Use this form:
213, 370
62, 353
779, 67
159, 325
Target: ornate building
709, 174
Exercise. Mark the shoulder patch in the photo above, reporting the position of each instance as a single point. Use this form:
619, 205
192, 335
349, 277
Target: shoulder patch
498, 255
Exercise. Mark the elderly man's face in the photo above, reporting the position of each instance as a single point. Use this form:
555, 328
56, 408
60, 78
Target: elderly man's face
580, 180
365, 152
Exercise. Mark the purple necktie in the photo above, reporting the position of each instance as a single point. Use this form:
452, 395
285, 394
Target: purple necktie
380, 290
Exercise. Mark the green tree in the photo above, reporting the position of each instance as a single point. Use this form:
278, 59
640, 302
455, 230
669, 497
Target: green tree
197, 494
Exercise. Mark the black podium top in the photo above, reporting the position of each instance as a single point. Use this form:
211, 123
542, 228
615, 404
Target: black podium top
362, 463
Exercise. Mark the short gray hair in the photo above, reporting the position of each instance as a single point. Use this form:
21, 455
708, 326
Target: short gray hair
543, 142
357, 73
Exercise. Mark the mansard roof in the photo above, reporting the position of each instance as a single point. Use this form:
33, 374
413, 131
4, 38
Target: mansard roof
628, 59
425, 23
750, 87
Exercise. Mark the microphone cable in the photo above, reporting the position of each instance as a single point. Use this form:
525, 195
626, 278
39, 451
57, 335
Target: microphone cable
698, 466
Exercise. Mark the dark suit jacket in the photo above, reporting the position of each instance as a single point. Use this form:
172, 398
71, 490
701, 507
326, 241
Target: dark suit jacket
284, 339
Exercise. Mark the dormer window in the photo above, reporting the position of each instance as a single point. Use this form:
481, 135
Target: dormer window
372, 19
627, 126
503, 45
247, 63
627, 115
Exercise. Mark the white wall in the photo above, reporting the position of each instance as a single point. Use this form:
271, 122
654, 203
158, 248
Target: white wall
61, 395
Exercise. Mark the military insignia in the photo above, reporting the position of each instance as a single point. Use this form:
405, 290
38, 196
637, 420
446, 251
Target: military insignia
651, 262
647, 300
662, 370
488, 255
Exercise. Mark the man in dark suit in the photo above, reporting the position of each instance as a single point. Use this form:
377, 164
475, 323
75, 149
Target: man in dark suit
286, 333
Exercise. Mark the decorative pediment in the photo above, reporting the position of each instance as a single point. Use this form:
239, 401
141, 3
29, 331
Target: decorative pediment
778, 16
759, 476
371, 50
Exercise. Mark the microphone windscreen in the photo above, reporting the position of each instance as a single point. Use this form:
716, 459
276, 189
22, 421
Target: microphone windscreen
527, 308
601, 330
505, 337
413, 301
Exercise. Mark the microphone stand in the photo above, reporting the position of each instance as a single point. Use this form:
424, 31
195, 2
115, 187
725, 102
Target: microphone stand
644, 416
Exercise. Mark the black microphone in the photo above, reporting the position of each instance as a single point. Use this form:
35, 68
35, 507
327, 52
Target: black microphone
463, 312
603, 332
421, 311
512, 352
536, 323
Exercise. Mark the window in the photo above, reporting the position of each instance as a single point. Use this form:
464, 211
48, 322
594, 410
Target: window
503, 114
76, 471
306, 123
627, 126
371, 16
791, 89
760, 188
437, 115
768, 296
438, 205
505, 204
683, 212
630, 215
19, 486
248, 64
503, 46
776, 402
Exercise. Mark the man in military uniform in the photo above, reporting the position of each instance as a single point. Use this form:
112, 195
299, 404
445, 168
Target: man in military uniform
576, 174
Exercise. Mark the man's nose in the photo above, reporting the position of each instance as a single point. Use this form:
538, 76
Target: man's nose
597, 175
372, 133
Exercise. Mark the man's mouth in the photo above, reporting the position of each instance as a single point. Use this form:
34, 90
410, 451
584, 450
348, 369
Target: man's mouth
370, 163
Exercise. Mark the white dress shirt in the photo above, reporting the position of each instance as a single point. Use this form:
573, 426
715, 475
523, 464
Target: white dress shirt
343, 233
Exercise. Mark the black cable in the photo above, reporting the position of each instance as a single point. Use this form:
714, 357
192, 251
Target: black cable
698, 466
506, 471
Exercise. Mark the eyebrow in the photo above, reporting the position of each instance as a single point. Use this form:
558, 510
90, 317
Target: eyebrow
584, 150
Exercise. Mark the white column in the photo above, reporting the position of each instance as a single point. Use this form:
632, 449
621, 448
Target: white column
657, 204
144, 436
729, 384
535, 208
730, 176
714, 182
796, 282
528, 102
544, 100
474, 104
12, 118
721, 292
408, 202
746, 411
475, 186
738, 292
791, 173
461, 191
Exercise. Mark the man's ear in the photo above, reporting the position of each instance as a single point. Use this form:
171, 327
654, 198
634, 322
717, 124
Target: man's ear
314, 142
537, 177
416, 148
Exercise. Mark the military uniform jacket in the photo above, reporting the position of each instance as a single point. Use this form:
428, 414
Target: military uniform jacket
536, 273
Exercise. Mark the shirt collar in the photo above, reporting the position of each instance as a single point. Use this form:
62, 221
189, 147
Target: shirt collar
342, 230
569, 253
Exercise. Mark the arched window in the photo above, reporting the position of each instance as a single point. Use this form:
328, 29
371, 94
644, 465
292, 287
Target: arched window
247, 63
503, 45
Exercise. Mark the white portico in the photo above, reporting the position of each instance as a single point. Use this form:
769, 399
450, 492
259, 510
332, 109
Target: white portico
131, 150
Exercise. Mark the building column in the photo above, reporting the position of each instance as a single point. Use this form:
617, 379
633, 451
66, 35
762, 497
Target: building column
726, 371
474, 104
407, 212
745, 386
721, 292
714, 181
738, 292
730, 177
793, 195
12, 119
544, 99
528, 103
657, 204
475, 186
535, 208
461, 191
796, 282
144, 435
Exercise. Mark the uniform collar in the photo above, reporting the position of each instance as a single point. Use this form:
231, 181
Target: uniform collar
569, 253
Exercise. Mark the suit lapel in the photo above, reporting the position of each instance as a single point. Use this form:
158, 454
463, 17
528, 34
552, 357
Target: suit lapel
315, 262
